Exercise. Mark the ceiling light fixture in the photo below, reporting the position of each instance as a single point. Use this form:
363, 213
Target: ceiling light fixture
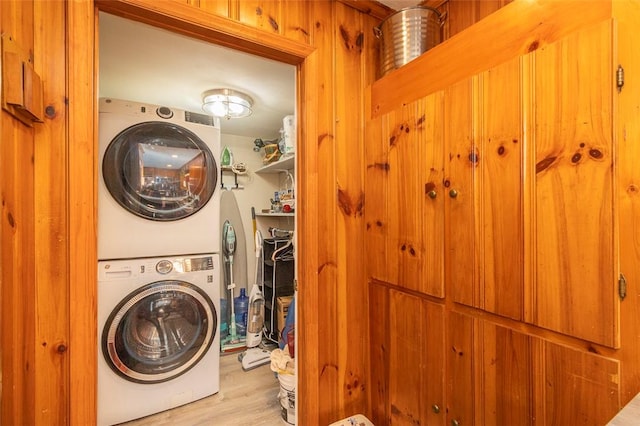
226, 103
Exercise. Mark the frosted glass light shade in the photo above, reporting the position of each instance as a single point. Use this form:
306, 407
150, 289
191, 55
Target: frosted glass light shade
226, 103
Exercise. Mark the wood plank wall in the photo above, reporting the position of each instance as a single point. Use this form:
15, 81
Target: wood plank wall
48, 189
34, 246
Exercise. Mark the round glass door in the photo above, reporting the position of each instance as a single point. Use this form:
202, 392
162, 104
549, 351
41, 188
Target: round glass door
159, 171
159, 331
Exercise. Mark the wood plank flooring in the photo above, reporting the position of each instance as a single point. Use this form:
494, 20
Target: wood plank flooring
246, 398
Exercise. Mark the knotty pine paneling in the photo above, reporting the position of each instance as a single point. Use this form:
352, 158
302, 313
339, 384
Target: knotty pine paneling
218, 7
261, 14
295, 20
460, 372
580, 387
18, 242
353, 71
51, 203
573, 180
464, 13
628, 197
506, 376
376, 190
514, 30
414, 173
463, 266
317, 387
80, 38
500, 159
408, 331
321, 142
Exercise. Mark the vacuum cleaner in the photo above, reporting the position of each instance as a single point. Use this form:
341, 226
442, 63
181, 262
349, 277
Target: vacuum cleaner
255, 356
233, 341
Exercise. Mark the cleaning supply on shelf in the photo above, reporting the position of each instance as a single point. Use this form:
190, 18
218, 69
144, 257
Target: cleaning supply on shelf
241, 307
289, 135
287, 194
226, 158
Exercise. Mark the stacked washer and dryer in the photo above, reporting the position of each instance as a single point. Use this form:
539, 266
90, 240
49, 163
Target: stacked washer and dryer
158, 259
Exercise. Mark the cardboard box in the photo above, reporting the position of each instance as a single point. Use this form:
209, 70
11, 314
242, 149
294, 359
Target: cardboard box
282, 308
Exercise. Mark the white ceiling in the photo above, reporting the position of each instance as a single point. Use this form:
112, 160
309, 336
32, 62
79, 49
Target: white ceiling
146, 64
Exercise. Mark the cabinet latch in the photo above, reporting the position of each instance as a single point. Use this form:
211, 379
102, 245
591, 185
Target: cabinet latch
619, 78
622, 287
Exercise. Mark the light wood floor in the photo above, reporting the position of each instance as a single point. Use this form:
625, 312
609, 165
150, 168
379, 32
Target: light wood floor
246, 398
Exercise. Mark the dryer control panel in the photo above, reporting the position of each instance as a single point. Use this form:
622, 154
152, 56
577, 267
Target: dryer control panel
193, 264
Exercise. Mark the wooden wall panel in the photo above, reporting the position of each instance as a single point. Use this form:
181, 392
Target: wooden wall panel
353, 66
261, 14
219, 7
82, 175
51, 225
322, 388
377, 195
464, 13
17, 246
379, 334
295, 20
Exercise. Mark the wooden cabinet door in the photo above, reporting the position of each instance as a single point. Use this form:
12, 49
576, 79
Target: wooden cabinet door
407, 360
500, 159
575, 285
485, 169
406, 212
506, 380
489, 373
461, 390
578, 388
462, 176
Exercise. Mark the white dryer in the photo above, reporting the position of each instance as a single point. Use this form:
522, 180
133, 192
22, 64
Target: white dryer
158, 334
158, 191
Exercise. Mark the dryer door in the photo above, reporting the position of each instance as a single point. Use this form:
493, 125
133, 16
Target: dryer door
159, 171
159, 331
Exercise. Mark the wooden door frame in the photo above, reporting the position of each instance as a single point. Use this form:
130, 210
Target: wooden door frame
82, 43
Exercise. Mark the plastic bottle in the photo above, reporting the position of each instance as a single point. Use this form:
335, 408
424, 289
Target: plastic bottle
241, 307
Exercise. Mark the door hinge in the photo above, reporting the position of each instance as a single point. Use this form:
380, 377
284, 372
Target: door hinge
619, 78
622, 287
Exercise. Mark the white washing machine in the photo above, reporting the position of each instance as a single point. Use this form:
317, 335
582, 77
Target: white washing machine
158, 192
158, 334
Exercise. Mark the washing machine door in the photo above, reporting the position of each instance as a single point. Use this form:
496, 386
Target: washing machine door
159, 171
159, 331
